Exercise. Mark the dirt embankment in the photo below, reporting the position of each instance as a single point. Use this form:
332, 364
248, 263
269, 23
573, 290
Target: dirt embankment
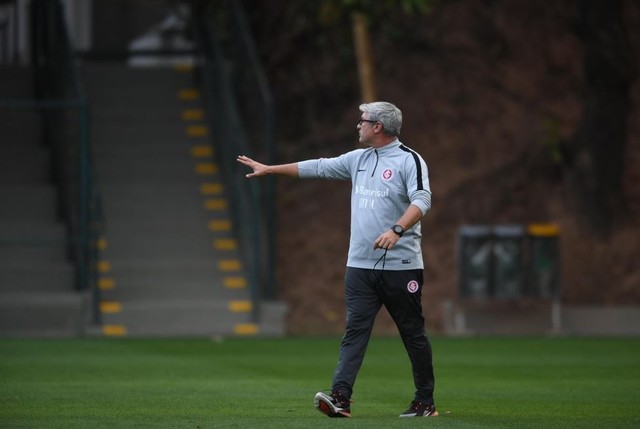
488, 90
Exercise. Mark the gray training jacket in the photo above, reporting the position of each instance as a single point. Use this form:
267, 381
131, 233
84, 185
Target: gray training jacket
384, 182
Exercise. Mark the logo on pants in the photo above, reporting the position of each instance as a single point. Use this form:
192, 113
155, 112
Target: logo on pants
413, 286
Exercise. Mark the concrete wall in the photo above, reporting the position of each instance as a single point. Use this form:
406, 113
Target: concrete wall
538, 317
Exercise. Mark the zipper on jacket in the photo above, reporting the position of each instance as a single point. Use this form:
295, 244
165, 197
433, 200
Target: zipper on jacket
376, 165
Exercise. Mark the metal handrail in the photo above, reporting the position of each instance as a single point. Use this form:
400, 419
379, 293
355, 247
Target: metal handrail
59, 91
248, 198
9, 32
89, 201
242, 33
229, 137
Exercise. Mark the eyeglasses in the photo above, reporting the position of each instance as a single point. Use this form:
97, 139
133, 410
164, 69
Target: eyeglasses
360, 121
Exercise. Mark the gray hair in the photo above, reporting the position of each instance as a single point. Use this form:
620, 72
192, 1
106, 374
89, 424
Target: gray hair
387, 114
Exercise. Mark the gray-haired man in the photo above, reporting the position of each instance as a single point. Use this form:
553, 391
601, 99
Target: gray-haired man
390, 194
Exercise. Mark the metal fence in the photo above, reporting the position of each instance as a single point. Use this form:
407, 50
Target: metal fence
508, 261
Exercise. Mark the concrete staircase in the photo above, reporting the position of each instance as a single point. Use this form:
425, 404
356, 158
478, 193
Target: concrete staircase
37, 296
170, 265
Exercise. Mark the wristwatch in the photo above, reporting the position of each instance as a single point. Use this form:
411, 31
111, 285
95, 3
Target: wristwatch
398, 230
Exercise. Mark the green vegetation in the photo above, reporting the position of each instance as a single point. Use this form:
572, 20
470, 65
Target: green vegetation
263, 383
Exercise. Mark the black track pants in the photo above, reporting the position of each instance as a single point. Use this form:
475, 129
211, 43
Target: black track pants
400, 292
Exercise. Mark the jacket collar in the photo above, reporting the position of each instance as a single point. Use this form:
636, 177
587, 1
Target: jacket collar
388, 147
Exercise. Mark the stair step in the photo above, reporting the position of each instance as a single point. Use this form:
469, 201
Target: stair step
37, 276
32, 242
106, 115
16, 82
177, 318
102, 77
21, 127
156, 206
161, 253
32, 167
24, 231
177, 263
145, 218
159, 282
133, 94
156, 168
162, 147
161, 247
11, 254
134, 135
43, 314
28, 202
131, 141
135, 126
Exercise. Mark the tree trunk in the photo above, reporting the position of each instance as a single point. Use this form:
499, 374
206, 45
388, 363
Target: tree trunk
364, 57
600, 141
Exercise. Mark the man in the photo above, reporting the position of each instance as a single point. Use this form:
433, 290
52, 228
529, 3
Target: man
390, 194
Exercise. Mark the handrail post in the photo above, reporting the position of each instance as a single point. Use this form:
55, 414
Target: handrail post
85, 199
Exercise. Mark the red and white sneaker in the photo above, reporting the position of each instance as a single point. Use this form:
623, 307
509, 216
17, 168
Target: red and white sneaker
333, 405
420, 409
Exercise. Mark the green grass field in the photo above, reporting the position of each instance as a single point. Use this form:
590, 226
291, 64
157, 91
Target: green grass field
261, 383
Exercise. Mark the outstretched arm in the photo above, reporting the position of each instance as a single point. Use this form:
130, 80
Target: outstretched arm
264, 170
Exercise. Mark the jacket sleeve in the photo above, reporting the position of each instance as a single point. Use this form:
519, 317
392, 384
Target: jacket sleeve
418, 188
339, 168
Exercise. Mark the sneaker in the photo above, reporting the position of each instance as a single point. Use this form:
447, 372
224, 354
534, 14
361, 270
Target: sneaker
333, 405
420, 409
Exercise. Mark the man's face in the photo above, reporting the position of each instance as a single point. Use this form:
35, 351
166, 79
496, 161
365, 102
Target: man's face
366, 129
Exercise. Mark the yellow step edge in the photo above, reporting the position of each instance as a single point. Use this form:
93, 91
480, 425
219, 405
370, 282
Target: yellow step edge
216, 204
205, 168
102, 244
235, 282
110, 307
211, 188
543, 230
188, 94
104, 266
106, 283
202, 151
229, 265
246, 329
184, 67
192, 115
114, 330
240, 306
225, 244
197, 131
219, 225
